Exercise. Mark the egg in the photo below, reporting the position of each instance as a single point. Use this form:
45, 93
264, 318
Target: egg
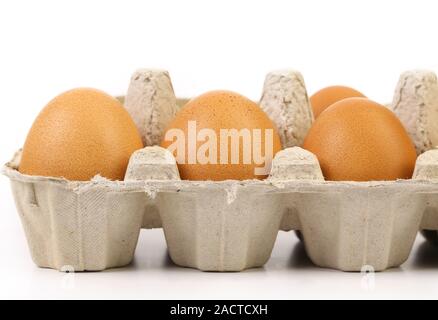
222, 135
357, 139
324, 98
79, 134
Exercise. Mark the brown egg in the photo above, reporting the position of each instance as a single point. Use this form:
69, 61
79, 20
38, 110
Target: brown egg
357, 139
324, 98
79, 134
205, 152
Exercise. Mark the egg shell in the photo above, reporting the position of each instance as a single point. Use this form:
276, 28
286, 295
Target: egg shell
357, 139
80, 134
324, 98
218, 110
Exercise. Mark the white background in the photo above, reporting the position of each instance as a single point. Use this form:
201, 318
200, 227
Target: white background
47, 47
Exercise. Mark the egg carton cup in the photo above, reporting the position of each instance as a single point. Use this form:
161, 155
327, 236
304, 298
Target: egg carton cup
77, 226
228, 225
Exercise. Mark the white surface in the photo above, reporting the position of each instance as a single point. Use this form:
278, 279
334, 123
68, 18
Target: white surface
51, 46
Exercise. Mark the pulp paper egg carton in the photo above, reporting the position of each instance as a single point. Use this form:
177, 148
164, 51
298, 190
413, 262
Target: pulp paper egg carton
232, 225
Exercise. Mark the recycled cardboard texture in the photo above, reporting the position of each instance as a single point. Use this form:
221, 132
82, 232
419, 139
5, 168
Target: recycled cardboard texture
152, 163
223, 226
75, 225
151, 103
416, 105
227, 225
426, 169
286, 102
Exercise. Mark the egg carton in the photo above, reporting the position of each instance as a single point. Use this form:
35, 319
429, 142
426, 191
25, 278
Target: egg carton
232, 225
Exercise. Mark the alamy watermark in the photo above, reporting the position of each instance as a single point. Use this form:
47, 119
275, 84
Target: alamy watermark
230, 142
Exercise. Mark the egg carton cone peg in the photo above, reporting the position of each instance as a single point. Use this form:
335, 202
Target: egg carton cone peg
286, 102
426, 169
151, 102
416, 105
151, 163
